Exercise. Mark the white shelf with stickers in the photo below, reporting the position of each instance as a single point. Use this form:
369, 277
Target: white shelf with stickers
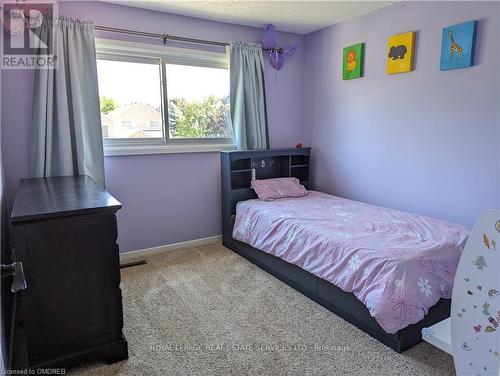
472, 333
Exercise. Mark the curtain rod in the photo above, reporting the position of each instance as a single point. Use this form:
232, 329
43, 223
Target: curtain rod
164, 37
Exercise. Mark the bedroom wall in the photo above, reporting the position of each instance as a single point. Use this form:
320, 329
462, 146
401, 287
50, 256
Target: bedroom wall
425, 141
166, 198
5, 294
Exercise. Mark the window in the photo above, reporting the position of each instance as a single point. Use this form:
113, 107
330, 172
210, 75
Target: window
127, 124
162, 99
198, 102
154, 124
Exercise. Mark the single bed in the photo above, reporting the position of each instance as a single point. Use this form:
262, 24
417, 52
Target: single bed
387, 272
397, 264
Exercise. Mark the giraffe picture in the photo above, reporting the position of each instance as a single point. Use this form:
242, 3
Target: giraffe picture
457, 45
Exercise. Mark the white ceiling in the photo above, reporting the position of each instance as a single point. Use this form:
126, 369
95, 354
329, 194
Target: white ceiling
301, 17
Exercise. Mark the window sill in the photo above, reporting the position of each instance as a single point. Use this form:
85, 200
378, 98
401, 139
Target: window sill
114, 151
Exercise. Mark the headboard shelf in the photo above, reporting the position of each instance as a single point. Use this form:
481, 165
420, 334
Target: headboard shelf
241, 179
237, 168
300, 172
299, 160
241, 164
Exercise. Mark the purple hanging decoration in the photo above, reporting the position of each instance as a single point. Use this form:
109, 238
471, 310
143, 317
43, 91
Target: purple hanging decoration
270, 38
276, 55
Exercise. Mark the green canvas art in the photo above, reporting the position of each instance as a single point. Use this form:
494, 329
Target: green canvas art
352, 62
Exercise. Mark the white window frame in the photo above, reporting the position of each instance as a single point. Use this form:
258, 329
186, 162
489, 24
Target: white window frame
132, 51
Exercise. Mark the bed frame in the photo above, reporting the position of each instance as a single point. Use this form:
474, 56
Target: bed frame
237, 170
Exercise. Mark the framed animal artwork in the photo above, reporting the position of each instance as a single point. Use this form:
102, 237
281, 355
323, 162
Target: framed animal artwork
352, 61
400, 51
457, 45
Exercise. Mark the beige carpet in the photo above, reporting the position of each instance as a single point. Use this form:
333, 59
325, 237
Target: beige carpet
207, 311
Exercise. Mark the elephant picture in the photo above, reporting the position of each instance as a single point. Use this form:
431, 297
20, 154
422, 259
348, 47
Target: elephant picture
400, 51
397, 52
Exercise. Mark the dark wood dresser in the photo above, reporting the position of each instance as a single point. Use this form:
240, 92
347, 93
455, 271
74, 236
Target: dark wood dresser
64, 232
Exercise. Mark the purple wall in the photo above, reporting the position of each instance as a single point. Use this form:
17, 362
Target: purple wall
171, 197
426, 141
16, 97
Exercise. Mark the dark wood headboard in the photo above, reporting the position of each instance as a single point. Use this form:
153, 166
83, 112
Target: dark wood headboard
237, 168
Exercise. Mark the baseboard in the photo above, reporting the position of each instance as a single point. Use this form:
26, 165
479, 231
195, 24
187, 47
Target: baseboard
141, 253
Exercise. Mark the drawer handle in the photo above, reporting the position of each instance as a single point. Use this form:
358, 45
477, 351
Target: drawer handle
15, 269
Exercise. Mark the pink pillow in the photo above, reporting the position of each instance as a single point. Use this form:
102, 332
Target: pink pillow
272, 189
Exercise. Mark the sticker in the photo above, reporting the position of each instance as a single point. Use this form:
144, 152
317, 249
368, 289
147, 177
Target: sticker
480, 263
470, 292
497, 226
486, 306
466, 347
489, 329
479, 288
493, 321
477, 328
486, 241
427, 332
492, 293
494, 244
467, 279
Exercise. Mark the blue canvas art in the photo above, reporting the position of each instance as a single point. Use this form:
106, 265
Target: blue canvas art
457, 45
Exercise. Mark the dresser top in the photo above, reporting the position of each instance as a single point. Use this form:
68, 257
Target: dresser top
41, 198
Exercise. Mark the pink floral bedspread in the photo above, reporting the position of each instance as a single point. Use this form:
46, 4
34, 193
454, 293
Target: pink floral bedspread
398, 264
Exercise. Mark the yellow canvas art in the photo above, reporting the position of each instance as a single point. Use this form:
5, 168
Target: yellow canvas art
400, 52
